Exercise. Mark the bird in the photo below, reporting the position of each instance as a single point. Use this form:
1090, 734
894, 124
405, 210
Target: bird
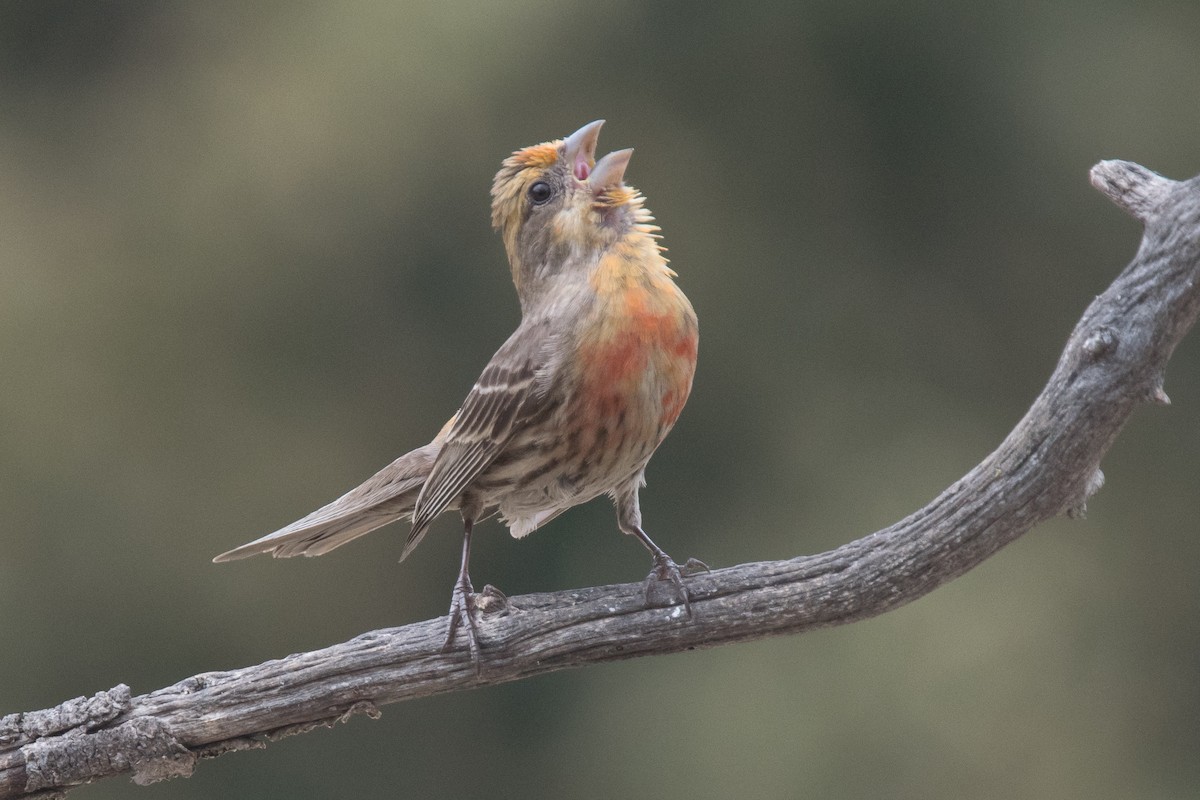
575, 402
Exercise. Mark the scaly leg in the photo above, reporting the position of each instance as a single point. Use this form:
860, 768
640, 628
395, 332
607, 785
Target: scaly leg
629, 520
462, 602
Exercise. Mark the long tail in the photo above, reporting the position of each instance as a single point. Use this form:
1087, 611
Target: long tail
388, 495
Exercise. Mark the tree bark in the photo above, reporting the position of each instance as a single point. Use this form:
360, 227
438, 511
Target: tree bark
1049, 465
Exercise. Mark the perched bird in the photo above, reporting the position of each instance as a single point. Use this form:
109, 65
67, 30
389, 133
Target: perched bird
573, 405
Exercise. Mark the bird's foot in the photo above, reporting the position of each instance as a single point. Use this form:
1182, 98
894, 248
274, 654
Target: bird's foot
462, 615
667, 573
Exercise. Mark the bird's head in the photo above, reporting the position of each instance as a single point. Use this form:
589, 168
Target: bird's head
557, 207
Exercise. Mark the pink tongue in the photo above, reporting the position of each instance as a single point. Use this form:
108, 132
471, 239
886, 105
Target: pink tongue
582, 169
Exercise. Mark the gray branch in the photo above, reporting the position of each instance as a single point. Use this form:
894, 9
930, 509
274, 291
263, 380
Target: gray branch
1049, 465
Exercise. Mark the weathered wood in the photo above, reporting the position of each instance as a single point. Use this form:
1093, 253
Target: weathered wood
1048, 465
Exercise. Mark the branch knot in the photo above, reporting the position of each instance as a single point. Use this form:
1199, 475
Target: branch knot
1100, 343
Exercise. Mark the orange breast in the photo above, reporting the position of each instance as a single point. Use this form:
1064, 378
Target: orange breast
641, 355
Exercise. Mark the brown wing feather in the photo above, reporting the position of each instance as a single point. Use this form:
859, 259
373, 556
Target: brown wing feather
504, 395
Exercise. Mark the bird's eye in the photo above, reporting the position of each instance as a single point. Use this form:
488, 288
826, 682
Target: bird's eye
540, 192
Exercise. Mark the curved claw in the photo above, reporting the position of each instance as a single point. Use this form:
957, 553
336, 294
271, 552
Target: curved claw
462, 615
666, 571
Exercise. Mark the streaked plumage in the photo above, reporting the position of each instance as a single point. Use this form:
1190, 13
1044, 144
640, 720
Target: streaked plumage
574, 404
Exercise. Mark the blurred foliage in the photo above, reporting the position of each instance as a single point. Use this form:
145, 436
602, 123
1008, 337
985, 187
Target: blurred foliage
246, 261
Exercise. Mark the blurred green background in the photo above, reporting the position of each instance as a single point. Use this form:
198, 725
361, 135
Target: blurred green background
246, 261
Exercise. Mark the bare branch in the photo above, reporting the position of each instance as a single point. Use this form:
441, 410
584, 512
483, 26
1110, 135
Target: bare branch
1049, 464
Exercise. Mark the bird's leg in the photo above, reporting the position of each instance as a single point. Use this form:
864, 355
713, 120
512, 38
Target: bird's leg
665, 569
629, 519
462, 602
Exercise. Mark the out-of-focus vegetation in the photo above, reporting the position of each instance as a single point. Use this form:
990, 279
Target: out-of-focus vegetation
245, 261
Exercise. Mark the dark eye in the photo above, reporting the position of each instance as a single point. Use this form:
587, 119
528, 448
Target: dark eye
540, 192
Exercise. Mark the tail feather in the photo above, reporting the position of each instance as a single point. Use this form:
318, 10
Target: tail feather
387, 496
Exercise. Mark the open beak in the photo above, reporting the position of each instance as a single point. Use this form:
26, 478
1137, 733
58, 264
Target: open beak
579, 149
609, 171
